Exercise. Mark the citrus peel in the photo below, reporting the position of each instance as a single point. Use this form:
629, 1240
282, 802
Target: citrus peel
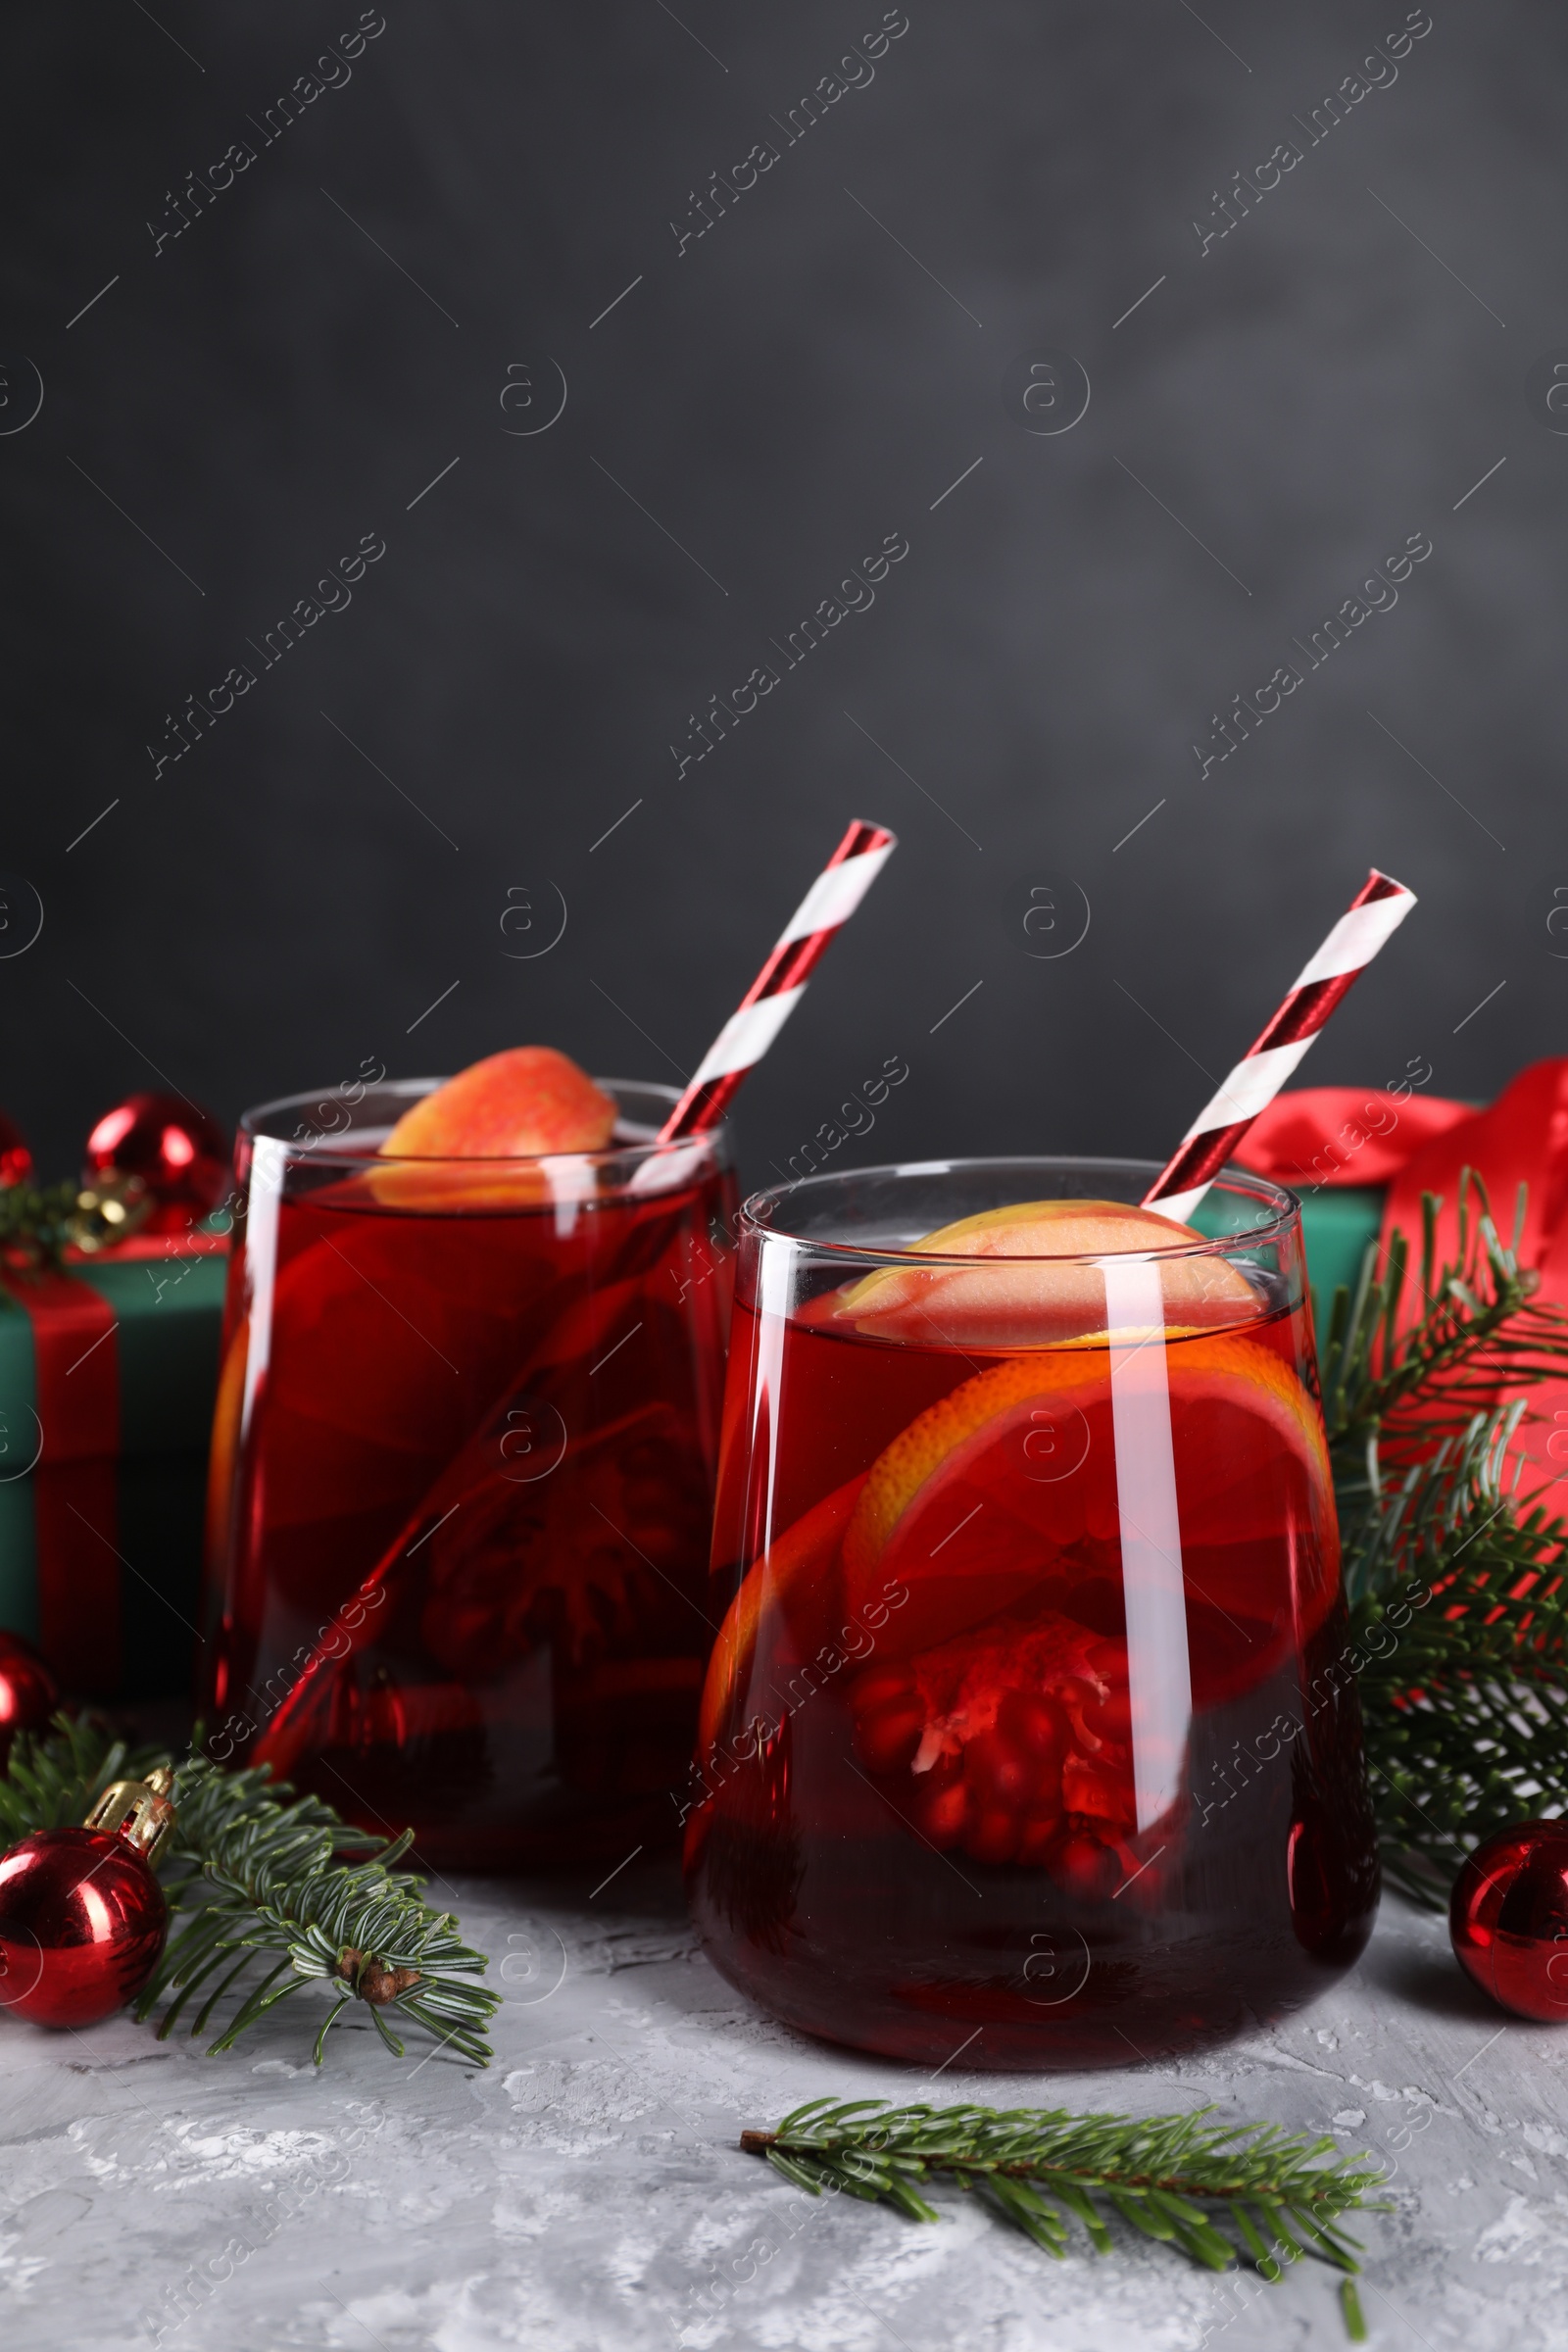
782, 1578
910, 1517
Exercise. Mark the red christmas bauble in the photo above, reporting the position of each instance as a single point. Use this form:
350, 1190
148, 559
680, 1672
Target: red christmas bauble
180, 1153
1509, 1919
15, 1160
29, 1695
82, 1921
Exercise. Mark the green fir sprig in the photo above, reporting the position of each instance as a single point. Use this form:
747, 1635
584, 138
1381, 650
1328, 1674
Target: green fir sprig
1479, 1325
53, 1783
1174, 2177
39, 1223
1457, 1591
268, 1893
36, 1222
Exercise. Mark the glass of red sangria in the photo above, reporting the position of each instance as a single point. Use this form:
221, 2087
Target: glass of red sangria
1029, 1730
463, 1462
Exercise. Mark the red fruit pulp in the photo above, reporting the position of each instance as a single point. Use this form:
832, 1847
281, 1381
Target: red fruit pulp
457, 1558
921, 1813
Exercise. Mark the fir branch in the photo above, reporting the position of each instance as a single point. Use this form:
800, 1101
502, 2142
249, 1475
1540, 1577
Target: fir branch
271, 1881
54, 1782
1459, 1622
1477, 1331
39, 1223
268, 1892
1458, 1600
1171, 2176
36, 1223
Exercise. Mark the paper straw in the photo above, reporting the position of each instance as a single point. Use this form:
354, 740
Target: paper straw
1375, 913
781, 983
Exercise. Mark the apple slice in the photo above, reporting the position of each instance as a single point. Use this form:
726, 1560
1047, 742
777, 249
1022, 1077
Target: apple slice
513, 1105
527, 1104
1043, 1288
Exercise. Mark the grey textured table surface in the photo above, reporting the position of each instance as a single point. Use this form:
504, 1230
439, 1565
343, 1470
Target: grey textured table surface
586, 2191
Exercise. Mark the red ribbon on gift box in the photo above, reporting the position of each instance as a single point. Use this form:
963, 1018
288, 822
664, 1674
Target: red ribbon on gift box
75, 1480
1419, 1144
76, 1514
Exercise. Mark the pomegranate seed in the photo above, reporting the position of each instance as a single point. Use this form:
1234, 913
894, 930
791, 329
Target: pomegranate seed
879, 1688
1034, 1724
1084, 1865
994, 1837
1038, 1839
889, 1736
997, 1771
941, 1815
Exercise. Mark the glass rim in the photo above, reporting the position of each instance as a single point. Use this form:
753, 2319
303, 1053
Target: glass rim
320, 1152
1286, 1213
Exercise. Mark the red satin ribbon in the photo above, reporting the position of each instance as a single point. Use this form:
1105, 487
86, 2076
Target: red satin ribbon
1303, 1138
75, 1517
1345, 1135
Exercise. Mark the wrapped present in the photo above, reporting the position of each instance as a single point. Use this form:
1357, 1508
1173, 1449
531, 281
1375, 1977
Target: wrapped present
1336, 1226
108, 1370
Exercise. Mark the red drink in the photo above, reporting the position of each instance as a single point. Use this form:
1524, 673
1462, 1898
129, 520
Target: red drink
462, 1474
1028, 1729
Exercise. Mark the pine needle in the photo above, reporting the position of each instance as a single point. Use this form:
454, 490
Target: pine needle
1173, 2178
267, 1893
53, 1783
1479, 1326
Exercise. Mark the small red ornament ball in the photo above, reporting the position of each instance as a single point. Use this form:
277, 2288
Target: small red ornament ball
82, 1921
15, 1160
180, 1153
1509, 1919
28, 1692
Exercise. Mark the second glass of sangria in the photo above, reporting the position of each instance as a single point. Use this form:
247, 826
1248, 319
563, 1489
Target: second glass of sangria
464, 1456
1029, 1732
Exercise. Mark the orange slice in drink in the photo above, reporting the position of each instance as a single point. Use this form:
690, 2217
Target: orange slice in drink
998, 1714
225, 1446
1009, 1483
796, 1576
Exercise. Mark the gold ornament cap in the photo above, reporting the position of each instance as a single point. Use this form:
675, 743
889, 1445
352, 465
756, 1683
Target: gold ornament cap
138, 1811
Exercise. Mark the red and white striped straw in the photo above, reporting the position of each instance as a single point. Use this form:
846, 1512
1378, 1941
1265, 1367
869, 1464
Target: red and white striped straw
1375, 913
781, 983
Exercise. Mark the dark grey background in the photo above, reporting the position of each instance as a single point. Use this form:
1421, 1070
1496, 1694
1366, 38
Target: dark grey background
271, 912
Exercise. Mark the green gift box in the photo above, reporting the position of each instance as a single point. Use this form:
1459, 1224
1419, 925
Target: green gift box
1336, 1223
108, 1374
